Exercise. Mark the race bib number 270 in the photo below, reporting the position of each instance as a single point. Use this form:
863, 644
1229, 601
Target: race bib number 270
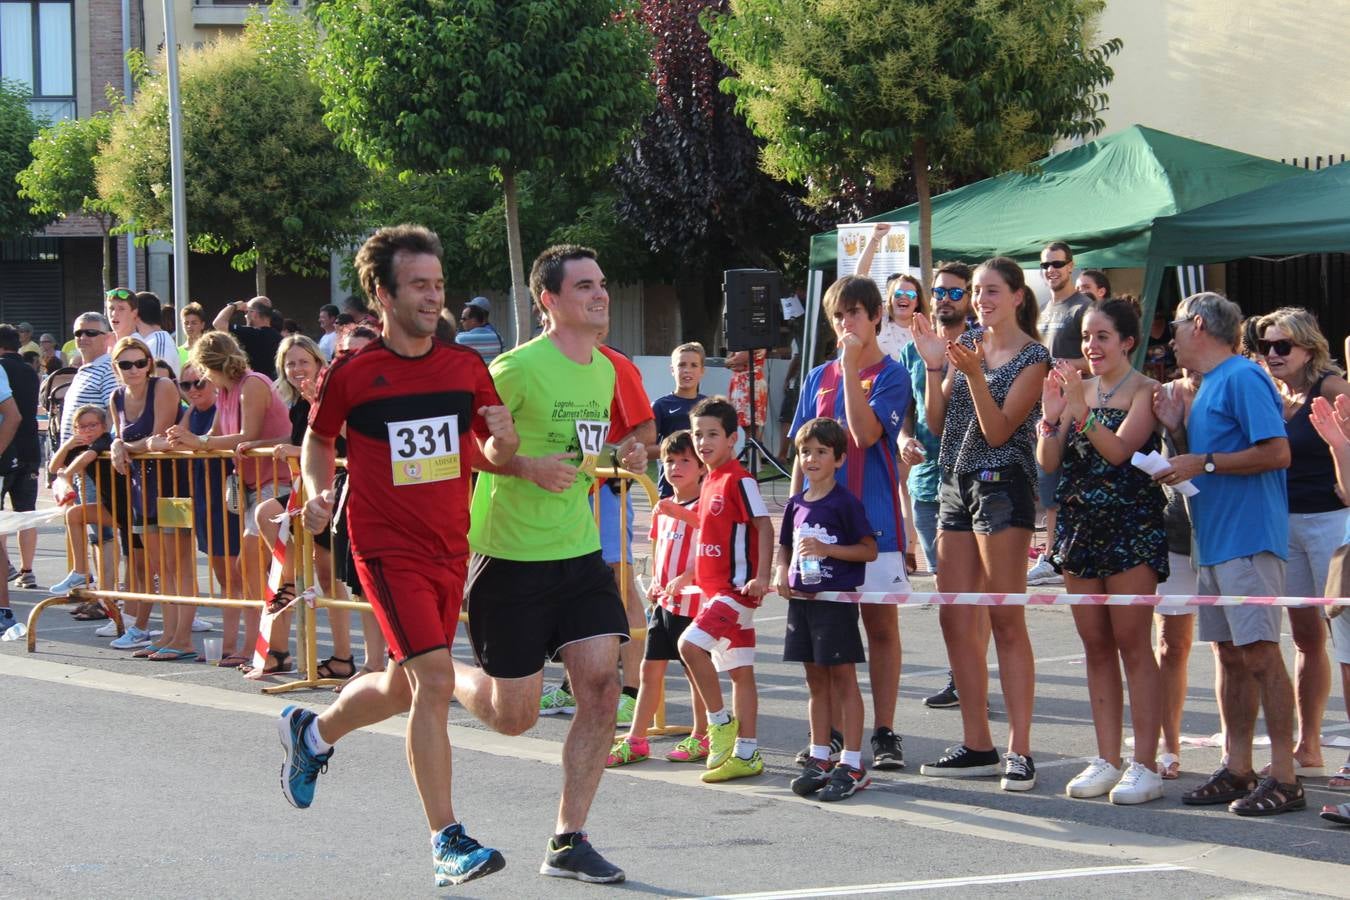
424, 450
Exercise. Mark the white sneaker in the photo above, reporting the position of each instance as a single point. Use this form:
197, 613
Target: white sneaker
1139, 784
200, 624
1043, 573
1098, 778
107, 629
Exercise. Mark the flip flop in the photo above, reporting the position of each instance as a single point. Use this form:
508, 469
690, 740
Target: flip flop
145, 652
1340, 814
168, 654
231, 661
1341, 780
1169, 766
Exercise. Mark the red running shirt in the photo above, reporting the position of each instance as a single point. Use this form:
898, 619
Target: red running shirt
728, 545
631, 407
411, 427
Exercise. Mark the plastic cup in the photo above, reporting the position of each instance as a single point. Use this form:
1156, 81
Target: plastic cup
211, 649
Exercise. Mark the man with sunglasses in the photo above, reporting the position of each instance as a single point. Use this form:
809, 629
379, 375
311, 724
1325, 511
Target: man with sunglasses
93, 383
1061, 326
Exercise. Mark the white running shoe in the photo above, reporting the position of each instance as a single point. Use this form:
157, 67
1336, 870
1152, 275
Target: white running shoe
1098, 778
107, 629
1139, 784
1043, 573
199, 624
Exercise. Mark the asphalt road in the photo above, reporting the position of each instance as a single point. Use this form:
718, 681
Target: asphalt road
128, 778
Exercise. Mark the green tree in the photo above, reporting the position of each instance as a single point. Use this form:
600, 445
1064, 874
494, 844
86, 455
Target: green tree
843, 90
60, 179
18, 128
265, 180
511, 86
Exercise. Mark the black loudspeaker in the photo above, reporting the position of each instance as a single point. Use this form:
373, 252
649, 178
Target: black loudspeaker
754, 313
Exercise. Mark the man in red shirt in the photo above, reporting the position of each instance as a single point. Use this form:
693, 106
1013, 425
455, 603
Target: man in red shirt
418, 413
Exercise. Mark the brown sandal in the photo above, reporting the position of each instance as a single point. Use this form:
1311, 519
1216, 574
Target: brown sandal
89, 611
1222, 787
1271, 798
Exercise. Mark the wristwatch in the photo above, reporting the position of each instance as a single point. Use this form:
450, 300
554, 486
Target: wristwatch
1210, 468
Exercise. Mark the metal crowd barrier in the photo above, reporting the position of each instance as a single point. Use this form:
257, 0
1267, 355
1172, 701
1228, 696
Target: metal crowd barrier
153, 508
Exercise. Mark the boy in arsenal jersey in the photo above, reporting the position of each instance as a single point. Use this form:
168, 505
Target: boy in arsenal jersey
735, 547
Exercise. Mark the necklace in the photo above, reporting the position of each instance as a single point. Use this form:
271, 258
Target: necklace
1104, 397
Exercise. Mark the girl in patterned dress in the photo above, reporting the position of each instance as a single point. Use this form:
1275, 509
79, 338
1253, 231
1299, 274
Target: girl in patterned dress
1110, 539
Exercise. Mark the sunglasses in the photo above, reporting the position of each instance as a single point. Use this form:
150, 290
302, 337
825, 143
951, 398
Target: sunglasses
954, 294
119, 294
1281, 347
128, 364
89, 332
1054, 264
189, 385
905, 294
1177, 323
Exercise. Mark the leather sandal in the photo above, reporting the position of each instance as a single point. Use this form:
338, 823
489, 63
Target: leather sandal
1270, 799
1222, 787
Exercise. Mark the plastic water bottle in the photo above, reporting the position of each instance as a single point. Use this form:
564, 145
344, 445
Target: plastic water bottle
808, 567
16, 632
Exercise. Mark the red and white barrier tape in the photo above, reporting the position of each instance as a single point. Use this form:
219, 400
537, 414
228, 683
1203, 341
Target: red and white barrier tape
1160, 601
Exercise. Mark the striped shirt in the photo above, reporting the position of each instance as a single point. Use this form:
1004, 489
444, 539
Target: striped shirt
92, 385
484, 339
162, 346
674, 542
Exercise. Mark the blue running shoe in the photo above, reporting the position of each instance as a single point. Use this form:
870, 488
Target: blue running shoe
459, 858
301, 767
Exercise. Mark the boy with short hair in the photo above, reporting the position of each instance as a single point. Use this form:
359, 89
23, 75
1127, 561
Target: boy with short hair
825, 545
675, 604
672, 410
735, 548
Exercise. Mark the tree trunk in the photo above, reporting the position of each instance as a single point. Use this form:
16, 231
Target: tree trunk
520, 294
259, 275
108, 261
925, 211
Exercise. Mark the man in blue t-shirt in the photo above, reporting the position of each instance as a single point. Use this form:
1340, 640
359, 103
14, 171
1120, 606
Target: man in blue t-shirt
1237, 455
672, 411
869, 393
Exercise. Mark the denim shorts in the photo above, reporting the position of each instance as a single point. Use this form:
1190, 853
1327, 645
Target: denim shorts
986, 501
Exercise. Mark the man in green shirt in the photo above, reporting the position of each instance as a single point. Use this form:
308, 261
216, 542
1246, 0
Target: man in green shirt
538, 586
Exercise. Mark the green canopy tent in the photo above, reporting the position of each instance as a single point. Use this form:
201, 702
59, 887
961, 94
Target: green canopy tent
1101, 198
1310, 215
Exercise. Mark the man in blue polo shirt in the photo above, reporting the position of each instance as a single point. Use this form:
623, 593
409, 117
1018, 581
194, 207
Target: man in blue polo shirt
1237, 455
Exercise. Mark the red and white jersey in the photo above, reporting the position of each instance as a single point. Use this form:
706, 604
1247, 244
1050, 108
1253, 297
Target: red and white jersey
728, 547
673, 543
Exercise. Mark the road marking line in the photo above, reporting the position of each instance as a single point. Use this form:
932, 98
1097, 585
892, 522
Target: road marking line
966, 881
1243, 864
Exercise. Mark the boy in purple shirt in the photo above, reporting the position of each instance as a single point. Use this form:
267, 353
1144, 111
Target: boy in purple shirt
825, 545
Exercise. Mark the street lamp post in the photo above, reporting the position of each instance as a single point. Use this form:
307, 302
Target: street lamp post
177, 189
